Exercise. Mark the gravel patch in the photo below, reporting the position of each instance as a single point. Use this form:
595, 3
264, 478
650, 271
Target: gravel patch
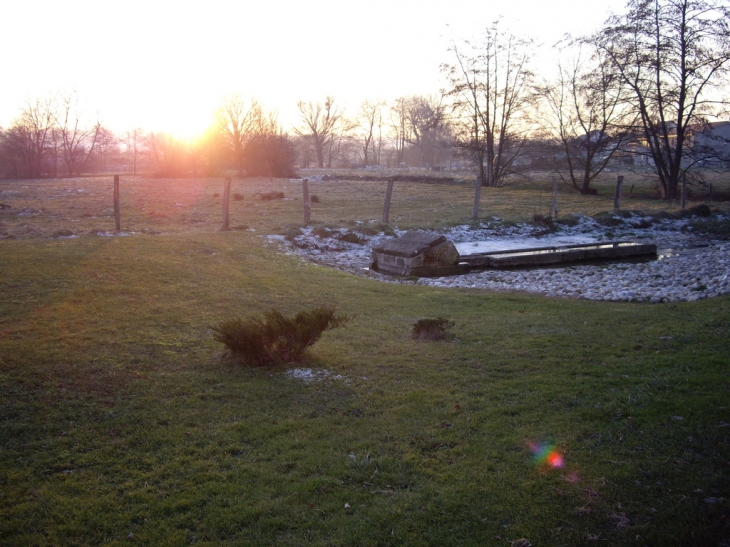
690, 266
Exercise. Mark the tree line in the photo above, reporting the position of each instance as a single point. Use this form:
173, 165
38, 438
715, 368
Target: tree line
646, 88
50, 139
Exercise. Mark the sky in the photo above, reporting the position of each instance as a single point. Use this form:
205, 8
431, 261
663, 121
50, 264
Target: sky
167, 65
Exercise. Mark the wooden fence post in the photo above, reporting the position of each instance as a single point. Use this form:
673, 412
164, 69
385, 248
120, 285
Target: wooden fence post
226, 199
617, 195
477, 196
555, 197
307, 203
117, 209
386, 205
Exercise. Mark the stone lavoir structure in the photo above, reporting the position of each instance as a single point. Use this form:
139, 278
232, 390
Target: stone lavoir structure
419, 254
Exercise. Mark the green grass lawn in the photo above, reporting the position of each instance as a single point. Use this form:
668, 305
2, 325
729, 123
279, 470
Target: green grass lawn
123, 422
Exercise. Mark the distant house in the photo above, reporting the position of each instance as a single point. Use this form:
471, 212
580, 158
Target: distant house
706, 145
711, 144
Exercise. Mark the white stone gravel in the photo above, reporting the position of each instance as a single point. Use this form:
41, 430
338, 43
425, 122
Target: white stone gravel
690, 267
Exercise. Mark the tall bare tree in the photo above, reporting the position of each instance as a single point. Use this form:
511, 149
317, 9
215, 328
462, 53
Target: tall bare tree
589, 117
169, 156
370, 121
133, 146
399, 133
239, 121
28, 143
491, 93
674, 56
107, 147
77, 141
320, 128
427, 127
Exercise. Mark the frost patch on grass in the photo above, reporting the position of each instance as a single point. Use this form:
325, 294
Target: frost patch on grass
113, 234
308, 375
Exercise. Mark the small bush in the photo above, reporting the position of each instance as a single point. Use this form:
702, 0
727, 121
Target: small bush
314, 198
321, 232
349, 237
608, 219
238, 197
276, 339
291, 231
568, 220
719, 228
270, 196
432, 329
701, 210
542, 220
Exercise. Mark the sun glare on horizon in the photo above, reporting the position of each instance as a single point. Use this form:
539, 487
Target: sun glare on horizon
172, 65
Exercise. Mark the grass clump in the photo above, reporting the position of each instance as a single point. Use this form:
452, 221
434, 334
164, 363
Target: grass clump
432, 329
276, 339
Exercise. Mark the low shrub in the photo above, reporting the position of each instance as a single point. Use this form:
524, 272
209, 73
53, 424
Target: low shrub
291, 231
314, 198
349, 237
701, 210
568, 220
717, 228
542, 220
321, 232
607, 218
276, 339
270, 196
432, 329
238, 197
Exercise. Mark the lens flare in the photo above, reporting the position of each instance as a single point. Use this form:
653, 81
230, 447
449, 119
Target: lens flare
545, 454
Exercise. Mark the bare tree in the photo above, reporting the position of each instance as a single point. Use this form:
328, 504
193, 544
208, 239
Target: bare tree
27, 144
673, 55
589, 117
133, 146
370, 120
238, 122
271, 151
168, 155
77, 142
491, 94
427, 127
399, 133
107, 146
320, 129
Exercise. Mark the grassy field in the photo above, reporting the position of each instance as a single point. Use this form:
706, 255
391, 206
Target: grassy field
123, 421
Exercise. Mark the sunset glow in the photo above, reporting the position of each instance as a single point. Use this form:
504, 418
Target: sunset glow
166, 66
